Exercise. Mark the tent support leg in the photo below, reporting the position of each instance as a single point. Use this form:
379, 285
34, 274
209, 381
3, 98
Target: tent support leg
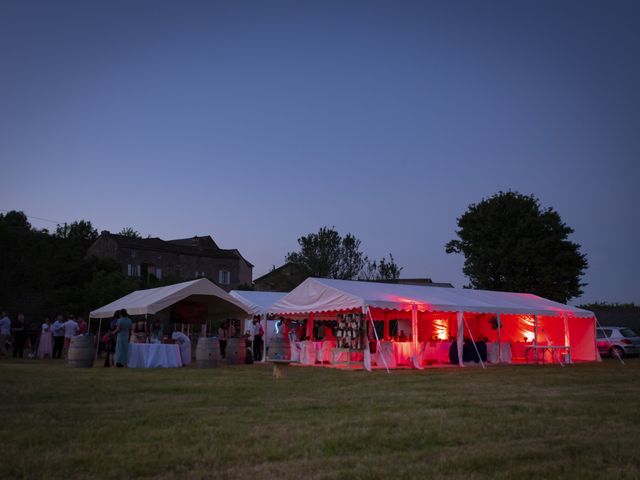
499, 338
474, 343
384, 360
610, 344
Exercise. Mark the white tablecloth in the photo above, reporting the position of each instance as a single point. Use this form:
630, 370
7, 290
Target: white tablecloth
323, 350
403, 353
436, 352
493, 349
154, 355
307, 352
385, 354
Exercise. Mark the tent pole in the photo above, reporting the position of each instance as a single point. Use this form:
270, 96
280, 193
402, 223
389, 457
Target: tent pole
385, 333
98, 339
310, 326
474, 344
499, 339
378, 349
266, 337
414, 334
460, 339
535, 339
567, 338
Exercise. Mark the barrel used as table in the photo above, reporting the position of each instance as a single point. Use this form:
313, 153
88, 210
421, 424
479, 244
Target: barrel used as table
279, 348
81, 352
207, 352
236, 351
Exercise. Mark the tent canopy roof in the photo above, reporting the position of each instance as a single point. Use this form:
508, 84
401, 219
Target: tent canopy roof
144, 302
258, 303
327, 295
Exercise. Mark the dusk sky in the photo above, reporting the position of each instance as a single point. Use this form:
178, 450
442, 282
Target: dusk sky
259, 122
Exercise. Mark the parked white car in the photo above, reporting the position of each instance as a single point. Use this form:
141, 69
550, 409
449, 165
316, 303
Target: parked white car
617, 341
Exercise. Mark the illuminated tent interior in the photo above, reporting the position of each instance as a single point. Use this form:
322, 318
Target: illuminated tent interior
523, 325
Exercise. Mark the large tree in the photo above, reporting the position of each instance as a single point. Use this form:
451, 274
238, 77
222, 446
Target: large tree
327, 254
511, 243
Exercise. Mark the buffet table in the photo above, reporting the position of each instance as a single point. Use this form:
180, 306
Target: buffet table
496, 350
154, 355
310, 353
436, 352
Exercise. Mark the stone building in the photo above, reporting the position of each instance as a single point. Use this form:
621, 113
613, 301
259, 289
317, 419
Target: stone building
185, 258
282, 279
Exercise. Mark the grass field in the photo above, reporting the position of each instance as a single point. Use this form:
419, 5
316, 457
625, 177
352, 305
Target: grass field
237, 422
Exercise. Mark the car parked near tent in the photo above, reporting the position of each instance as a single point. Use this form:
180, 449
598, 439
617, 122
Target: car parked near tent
617, 341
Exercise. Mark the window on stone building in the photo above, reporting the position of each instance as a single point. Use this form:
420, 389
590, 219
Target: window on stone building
159, 273
133, 270
224, 277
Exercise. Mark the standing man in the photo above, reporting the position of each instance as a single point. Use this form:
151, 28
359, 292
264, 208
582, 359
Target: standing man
19, 331
5, 331
257, 333
58, 337
70, 330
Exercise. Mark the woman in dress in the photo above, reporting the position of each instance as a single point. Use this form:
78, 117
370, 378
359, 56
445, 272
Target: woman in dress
110, 340
45, 344
122, 339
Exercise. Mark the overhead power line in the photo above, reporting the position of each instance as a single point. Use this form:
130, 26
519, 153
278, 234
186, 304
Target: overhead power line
57, 222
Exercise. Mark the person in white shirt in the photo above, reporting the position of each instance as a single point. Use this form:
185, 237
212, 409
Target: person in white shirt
70, 330
185, 346
58, 336
5, 332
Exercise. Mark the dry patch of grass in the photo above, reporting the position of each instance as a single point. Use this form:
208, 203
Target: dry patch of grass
237, 422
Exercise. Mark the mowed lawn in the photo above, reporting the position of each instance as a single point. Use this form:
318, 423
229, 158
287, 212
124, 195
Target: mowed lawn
518, 422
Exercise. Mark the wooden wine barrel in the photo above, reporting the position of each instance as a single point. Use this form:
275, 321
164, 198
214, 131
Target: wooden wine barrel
81, 352
207, 352
279, 348
236, 351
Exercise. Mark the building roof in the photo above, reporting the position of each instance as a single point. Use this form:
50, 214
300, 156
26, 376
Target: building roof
196, 246
279, 269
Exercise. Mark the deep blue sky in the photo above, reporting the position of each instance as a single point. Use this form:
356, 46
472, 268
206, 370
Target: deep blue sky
260, 122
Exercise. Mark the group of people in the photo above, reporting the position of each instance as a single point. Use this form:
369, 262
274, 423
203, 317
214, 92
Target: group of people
50, 340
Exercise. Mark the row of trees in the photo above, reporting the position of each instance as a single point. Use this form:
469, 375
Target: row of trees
44, 273
509, 242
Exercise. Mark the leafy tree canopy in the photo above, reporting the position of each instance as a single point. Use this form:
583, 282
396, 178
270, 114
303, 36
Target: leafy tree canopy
382, 270
327, 254
130, 232
511, 243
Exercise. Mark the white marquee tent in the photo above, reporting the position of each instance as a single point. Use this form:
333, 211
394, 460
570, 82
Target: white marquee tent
566, 324
150, 301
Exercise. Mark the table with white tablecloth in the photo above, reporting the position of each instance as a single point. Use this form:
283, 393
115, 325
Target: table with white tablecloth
306, 352
498, 352
154, 355
323, 350
436, 352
